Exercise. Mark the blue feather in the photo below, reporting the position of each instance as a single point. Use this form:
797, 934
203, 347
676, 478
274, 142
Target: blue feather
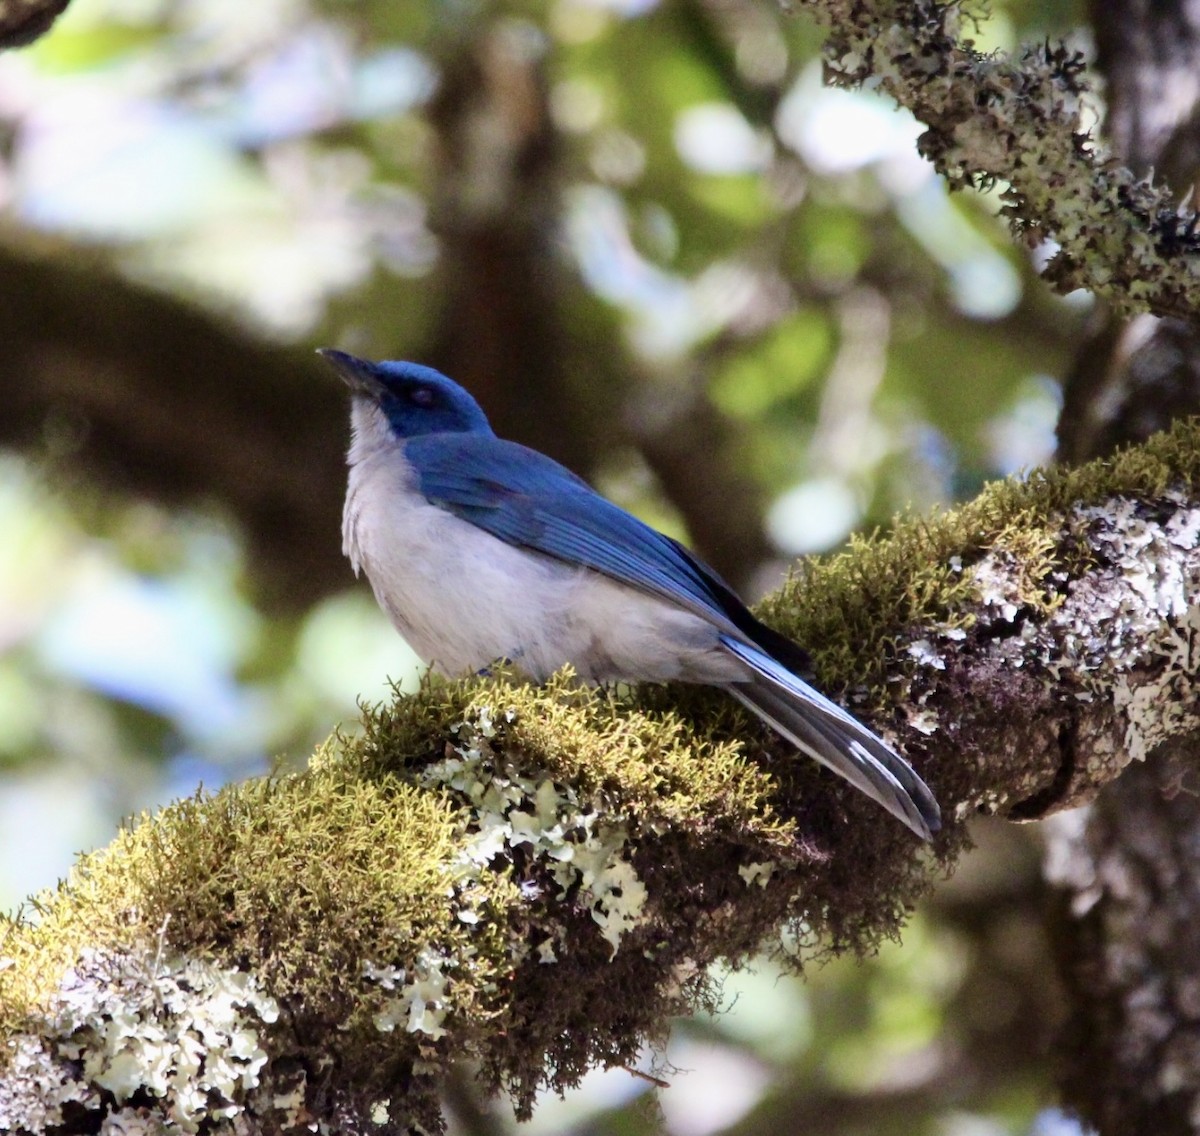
527, 499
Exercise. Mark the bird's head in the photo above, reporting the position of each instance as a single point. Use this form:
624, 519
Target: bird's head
414, 399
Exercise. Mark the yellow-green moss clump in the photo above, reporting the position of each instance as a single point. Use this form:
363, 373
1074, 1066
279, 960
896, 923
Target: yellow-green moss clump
851, 609
302, 877
656, 764
336, 892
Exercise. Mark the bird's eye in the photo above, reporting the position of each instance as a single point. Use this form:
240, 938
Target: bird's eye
423, 397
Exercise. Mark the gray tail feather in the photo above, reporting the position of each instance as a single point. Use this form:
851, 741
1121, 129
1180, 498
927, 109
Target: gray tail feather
824, 731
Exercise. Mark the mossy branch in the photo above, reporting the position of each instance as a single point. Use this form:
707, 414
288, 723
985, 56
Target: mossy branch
1022, 124
535, 879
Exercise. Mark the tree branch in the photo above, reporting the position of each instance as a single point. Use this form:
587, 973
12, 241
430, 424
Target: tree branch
1128, 939
1127, 887
536, 878
22, 21
110, 382
1020, 123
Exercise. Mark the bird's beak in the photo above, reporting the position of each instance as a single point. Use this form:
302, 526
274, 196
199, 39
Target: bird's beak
358, 374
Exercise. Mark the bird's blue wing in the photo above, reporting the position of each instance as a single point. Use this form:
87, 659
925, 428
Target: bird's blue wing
529, 500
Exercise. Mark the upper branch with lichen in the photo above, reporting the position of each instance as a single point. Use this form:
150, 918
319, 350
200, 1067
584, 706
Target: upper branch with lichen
1020, 124
537, 878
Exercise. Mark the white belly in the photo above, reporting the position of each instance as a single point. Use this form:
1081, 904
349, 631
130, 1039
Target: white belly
464, 599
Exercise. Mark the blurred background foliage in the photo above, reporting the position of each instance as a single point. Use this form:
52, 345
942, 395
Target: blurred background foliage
653, 244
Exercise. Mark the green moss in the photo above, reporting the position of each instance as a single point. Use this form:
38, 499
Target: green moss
301, 879
852, 610
660, 767
96, 904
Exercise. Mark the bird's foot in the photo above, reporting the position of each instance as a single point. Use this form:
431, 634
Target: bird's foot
504, 662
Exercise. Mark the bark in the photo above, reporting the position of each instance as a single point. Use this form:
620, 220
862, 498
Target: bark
22, 21
1134, 376
1128, 898
1128, 944
1147, 53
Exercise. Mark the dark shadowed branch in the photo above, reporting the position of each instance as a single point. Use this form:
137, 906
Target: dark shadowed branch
1128, 890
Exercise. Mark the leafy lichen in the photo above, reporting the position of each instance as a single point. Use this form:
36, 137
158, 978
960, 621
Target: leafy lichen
1020, 123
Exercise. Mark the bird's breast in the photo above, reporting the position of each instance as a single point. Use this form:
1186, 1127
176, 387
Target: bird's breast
463, 598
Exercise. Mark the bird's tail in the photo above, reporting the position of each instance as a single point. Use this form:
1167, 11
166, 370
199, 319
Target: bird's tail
824, 731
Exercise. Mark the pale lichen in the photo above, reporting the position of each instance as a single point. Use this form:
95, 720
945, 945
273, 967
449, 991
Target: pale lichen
925, 654
1150, 597
1110, 625
579, 843
422, 1002
757, 872
124, 1032
1023, 124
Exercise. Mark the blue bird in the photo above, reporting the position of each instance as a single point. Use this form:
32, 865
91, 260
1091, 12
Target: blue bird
479, 549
